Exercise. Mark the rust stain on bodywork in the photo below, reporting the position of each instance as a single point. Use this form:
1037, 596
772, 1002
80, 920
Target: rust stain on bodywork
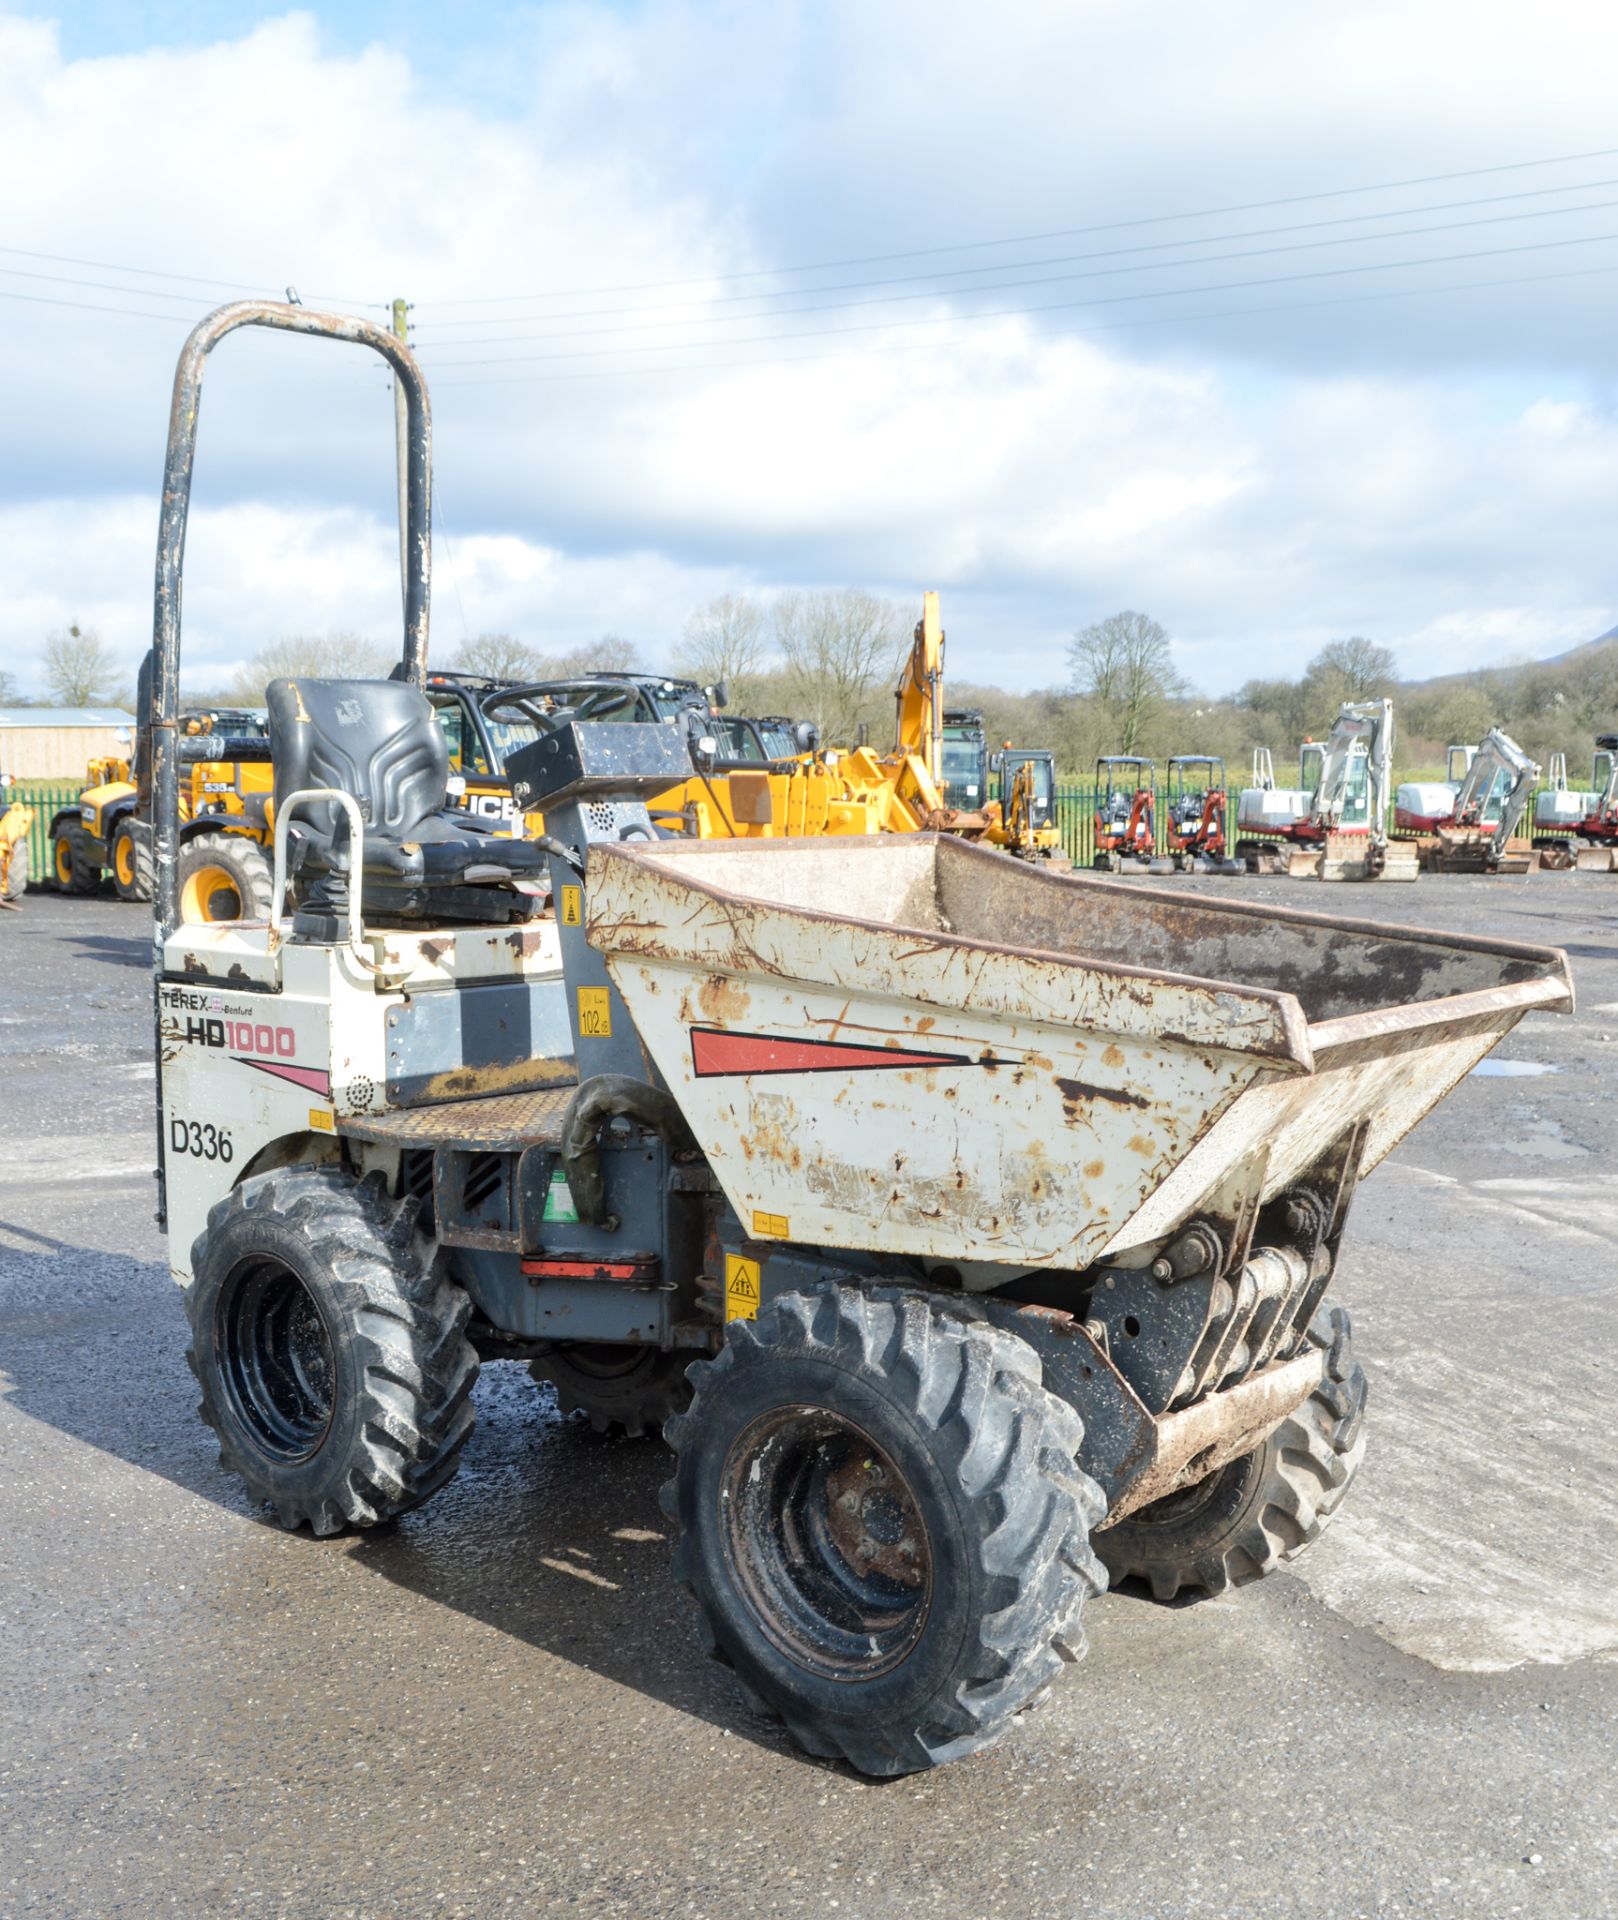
722, 1000
1075, 1094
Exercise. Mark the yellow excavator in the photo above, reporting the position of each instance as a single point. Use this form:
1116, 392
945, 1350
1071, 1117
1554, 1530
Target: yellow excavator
837, 791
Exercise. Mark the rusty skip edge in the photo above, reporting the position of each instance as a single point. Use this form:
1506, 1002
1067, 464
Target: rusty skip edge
742, 936
667, 855
1287, 1042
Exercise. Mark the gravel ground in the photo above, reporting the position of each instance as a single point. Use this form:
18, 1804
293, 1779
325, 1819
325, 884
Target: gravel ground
498, 1705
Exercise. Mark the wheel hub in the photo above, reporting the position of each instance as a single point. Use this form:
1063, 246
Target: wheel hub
826, 1543
277, 1365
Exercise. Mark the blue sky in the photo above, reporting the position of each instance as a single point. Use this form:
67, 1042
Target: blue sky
1277, 323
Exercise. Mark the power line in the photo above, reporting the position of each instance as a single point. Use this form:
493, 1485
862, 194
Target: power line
1059, 333
1006, 266
1030, 239
1058, 279
1058, 306
96, 306
152, 273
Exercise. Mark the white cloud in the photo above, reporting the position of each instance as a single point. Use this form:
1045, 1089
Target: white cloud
1438, 475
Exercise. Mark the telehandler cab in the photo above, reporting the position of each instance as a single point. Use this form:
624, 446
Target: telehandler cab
960, 1273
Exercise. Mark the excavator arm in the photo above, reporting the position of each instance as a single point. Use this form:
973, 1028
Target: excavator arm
1370, 722
920, 699
1497, 753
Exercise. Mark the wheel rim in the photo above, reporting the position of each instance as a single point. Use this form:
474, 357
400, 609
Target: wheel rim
825, 1542
123, 861
1185, 1503
209, 894
276, 1360
63, 855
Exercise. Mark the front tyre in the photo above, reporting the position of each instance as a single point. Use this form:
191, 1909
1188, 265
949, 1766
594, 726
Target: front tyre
883, 1523
330, 1348
131, 861
71, 865
1243, 1521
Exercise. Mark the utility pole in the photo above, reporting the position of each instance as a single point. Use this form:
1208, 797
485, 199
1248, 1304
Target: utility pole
401, 441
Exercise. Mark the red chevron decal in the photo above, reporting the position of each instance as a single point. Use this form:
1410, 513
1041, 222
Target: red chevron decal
716, 1051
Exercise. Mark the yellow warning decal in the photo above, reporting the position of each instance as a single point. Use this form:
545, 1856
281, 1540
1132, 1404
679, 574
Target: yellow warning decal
770, 1226
741, 1287
595, 1013
321, 1121
572, 906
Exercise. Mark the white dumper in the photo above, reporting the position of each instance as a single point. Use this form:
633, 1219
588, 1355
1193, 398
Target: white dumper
970, 1227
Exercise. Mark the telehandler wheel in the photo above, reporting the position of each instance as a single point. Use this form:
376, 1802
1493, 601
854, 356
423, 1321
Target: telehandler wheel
131, 862
1243, 1521
330, 1348
223, 876
883, 1523
624, 1389
71, 866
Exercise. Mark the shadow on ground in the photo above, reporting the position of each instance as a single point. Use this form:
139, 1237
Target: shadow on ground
550, 1533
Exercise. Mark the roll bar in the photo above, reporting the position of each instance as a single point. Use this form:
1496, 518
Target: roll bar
178, 461
177, 465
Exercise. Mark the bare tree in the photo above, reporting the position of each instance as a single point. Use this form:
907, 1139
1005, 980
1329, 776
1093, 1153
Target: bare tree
502, 656
1352, 669
1124, 664
610, 654
10, 693
79, 669
837, 642
310, 656
725, 640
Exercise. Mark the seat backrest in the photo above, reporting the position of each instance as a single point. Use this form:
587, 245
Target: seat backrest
375, 739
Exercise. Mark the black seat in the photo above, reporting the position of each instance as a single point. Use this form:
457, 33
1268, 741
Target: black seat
379, 741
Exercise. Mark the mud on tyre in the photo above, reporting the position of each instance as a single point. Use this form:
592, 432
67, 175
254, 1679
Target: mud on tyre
1243, 1521
883, 1523
330, 1348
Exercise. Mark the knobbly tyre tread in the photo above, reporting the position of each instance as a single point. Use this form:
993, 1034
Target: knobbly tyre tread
242, 857
140, 841
1003, 1440
632, 1406
86, 874
385, 1282
1295, 1482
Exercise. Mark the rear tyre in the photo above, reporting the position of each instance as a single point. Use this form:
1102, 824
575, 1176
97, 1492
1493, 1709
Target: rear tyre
71, 866
330, 1348
624, 1389
883, 1523
223, 876
131, 861
1243, 1521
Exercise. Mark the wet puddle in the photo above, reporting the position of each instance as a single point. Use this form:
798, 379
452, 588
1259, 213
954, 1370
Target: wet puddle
1513, 1069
